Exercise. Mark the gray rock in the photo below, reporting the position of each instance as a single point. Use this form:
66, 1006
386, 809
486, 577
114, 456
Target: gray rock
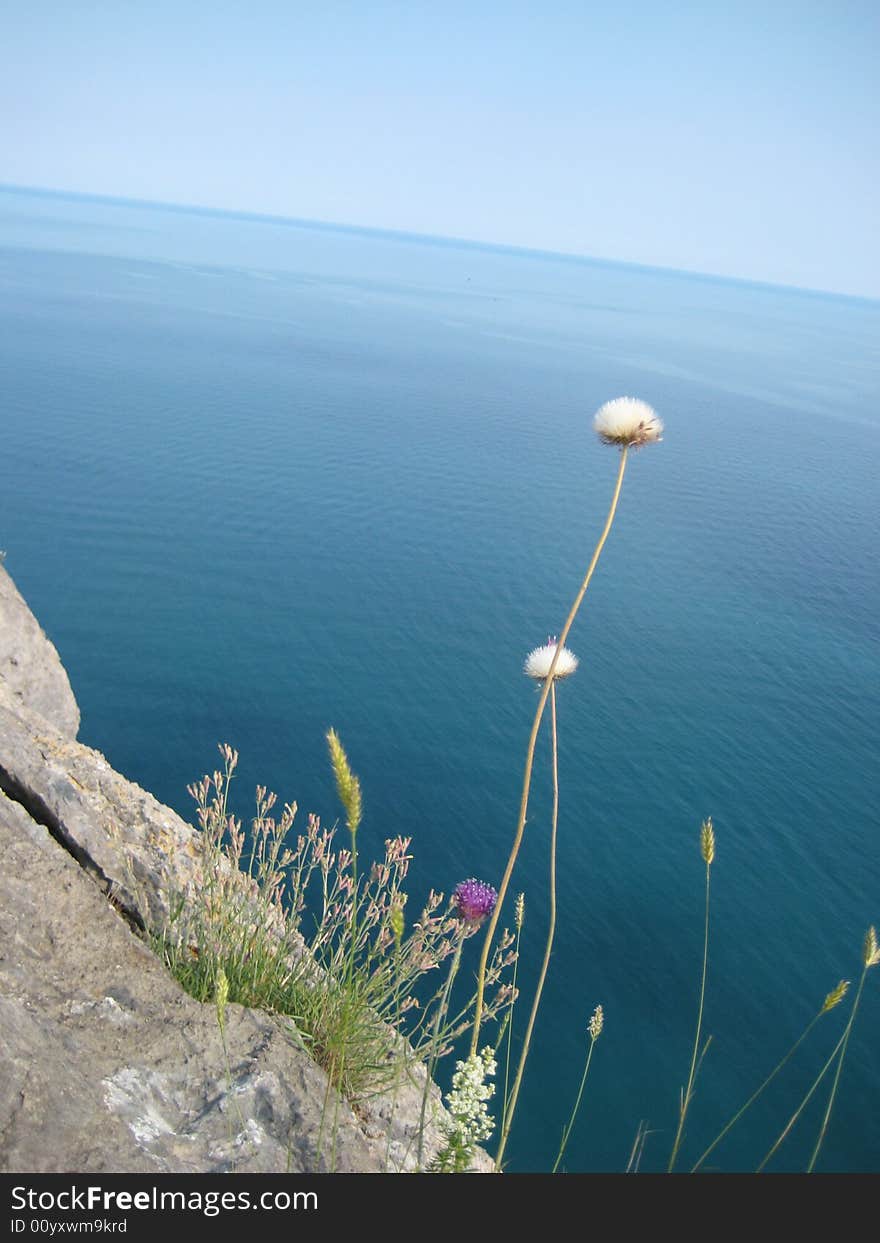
142, 854
140, 851
105, 1063
109, 1066
30, 666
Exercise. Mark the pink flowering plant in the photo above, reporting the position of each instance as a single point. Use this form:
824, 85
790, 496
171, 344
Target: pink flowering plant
291, 925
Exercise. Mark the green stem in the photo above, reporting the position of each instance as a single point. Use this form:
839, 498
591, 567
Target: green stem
567, 1132
354, 898
442, 1008
530, 757
551, 931
773, 1073
348, 994
399, 1055
686, 1100
327, 1090
800, 1109
635, 1156
845, 1042
510, 1030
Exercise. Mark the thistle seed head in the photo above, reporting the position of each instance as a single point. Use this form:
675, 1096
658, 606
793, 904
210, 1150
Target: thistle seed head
627, 421
540, 659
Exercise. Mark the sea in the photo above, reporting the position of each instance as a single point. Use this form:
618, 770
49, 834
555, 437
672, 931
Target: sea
264, 477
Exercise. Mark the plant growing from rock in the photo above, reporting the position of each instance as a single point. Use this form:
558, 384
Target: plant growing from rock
294, 927
469, 1122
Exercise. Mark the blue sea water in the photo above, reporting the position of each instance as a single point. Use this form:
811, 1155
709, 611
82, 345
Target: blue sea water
263, 477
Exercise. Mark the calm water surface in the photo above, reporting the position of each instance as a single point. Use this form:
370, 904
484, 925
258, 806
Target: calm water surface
263, 478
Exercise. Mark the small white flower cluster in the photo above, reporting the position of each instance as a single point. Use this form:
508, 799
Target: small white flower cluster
467, 1098
597, 1022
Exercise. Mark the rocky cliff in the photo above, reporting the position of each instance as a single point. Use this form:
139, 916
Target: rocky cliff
105, 1063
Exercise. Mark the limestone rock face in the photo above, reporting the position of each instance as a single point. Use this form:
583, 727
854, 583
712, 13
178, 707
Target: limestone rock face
136, 848
30, 668
105, 1063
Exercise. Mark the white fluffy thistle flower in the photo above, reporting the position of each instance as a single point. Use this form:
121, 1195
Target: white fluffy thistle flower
627, 421
538, 662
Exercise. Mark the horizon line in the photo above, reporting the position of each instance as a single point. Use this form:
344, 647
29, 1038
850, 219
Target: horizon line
435, 239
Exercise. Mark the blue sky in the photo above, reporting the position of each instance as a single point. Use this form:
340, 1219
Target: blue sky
739, 139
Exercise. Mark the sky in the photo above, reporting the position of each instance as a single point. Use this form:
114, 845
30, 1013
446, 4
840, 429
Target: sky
736, 139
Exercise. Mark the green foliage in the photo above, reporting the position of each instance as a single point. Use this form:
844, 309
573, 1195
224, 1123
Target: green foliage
268, 924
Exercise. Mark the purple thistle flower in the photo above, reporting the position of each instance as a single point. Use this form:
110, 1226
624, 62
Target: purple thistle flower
474, 900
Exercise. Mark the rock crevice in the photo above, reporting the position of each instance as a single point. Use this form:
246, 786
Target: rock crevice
106, 1064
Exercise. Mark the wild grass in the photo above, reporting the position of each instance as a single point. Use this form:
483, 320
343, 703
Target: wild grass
292, 922
285, 920
707, 850
597, 1021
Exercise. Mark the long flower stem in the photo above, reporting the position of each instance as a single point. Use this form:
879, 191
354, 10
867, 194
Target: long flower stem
773, 1073
638, 1148
506, 1098
551, 932
686, 1099
400, 1055
349, 991
574, 1113
530, 756
846, 1036
800, 1109
442, 1008
354, 906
